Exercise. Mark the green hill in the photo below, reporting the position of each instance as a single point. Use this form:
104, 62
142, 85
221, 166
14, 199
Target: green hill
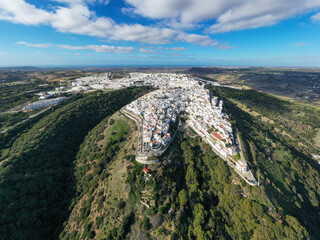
71, 174
37, 171
196, 195
281, 140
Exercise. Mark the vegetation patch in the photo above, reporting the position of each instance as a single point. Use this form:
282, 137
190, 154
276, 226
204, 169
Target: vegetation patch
39, 166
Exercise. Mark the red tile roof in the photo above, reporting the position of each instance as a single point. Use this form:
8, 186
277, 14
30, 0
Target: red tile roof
242, 164
217, 135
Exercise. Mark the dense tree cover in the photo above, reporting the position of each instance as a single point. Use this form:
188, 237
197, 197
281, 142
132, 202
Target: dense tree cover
8, 119
183, 197
36, 175
219, 210
58, 163
166, 182
9, 137
289, 177
13, 95
91, 206
300, 121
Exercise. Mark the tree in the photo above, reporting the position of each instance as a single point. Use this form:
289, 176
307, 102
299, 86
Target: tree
183, 197
295, 230
199, 216
144, 225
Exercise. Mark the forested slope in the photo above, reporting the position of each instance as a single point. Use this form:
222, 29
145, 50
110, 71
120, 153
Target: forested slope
101, 202
37, 171
73, 176
280, 139
196, 194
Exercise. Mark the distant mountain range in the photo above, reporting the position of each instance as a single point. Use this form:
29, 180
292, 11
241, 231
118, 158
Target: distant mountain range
22, 68
185, 69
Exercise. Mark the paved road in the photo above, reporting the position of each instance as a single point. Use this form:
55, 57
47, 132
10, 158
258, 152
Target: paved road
240, 146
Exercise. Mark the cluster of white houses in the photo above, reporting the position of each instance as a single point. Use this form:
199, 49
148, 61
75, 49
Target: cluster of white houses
207, 118
158, 80
178, 93
99, 82
94, 82
103, 81
44, 103
211, 123
158, 109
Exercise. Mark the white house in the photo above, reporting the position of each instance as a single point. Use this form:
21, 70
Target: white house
242, 166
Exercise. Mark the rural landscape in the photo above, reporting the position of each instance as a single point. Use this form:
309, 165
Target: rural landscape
159, 120
70, 172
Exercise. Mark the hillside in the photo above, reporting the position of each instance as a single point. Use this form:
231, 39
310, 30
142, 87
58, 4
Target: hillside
190, 194
37, 181
71, 174
281, 138
102, 198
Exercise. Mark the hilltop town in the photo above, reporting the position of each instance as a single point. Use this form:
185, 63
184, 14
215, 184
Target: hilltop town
157, 114
191, 149
104, 81
159, 119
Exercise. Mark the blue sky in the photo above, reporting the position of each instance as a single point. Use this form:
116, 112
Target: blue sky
160, 33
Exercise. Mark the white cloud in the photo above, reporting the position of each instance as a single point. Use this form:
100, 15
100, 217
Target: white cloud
225, 46
84, 1
19, 11
99, 48
77, 18
148, 51
157, 8
144, 34
38, 45
74, 16
197, 39
157, 35
105, 2
153, 47
151, 51
124, 49
96, 48
176, 49
230, 15
3, 53
316, 17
